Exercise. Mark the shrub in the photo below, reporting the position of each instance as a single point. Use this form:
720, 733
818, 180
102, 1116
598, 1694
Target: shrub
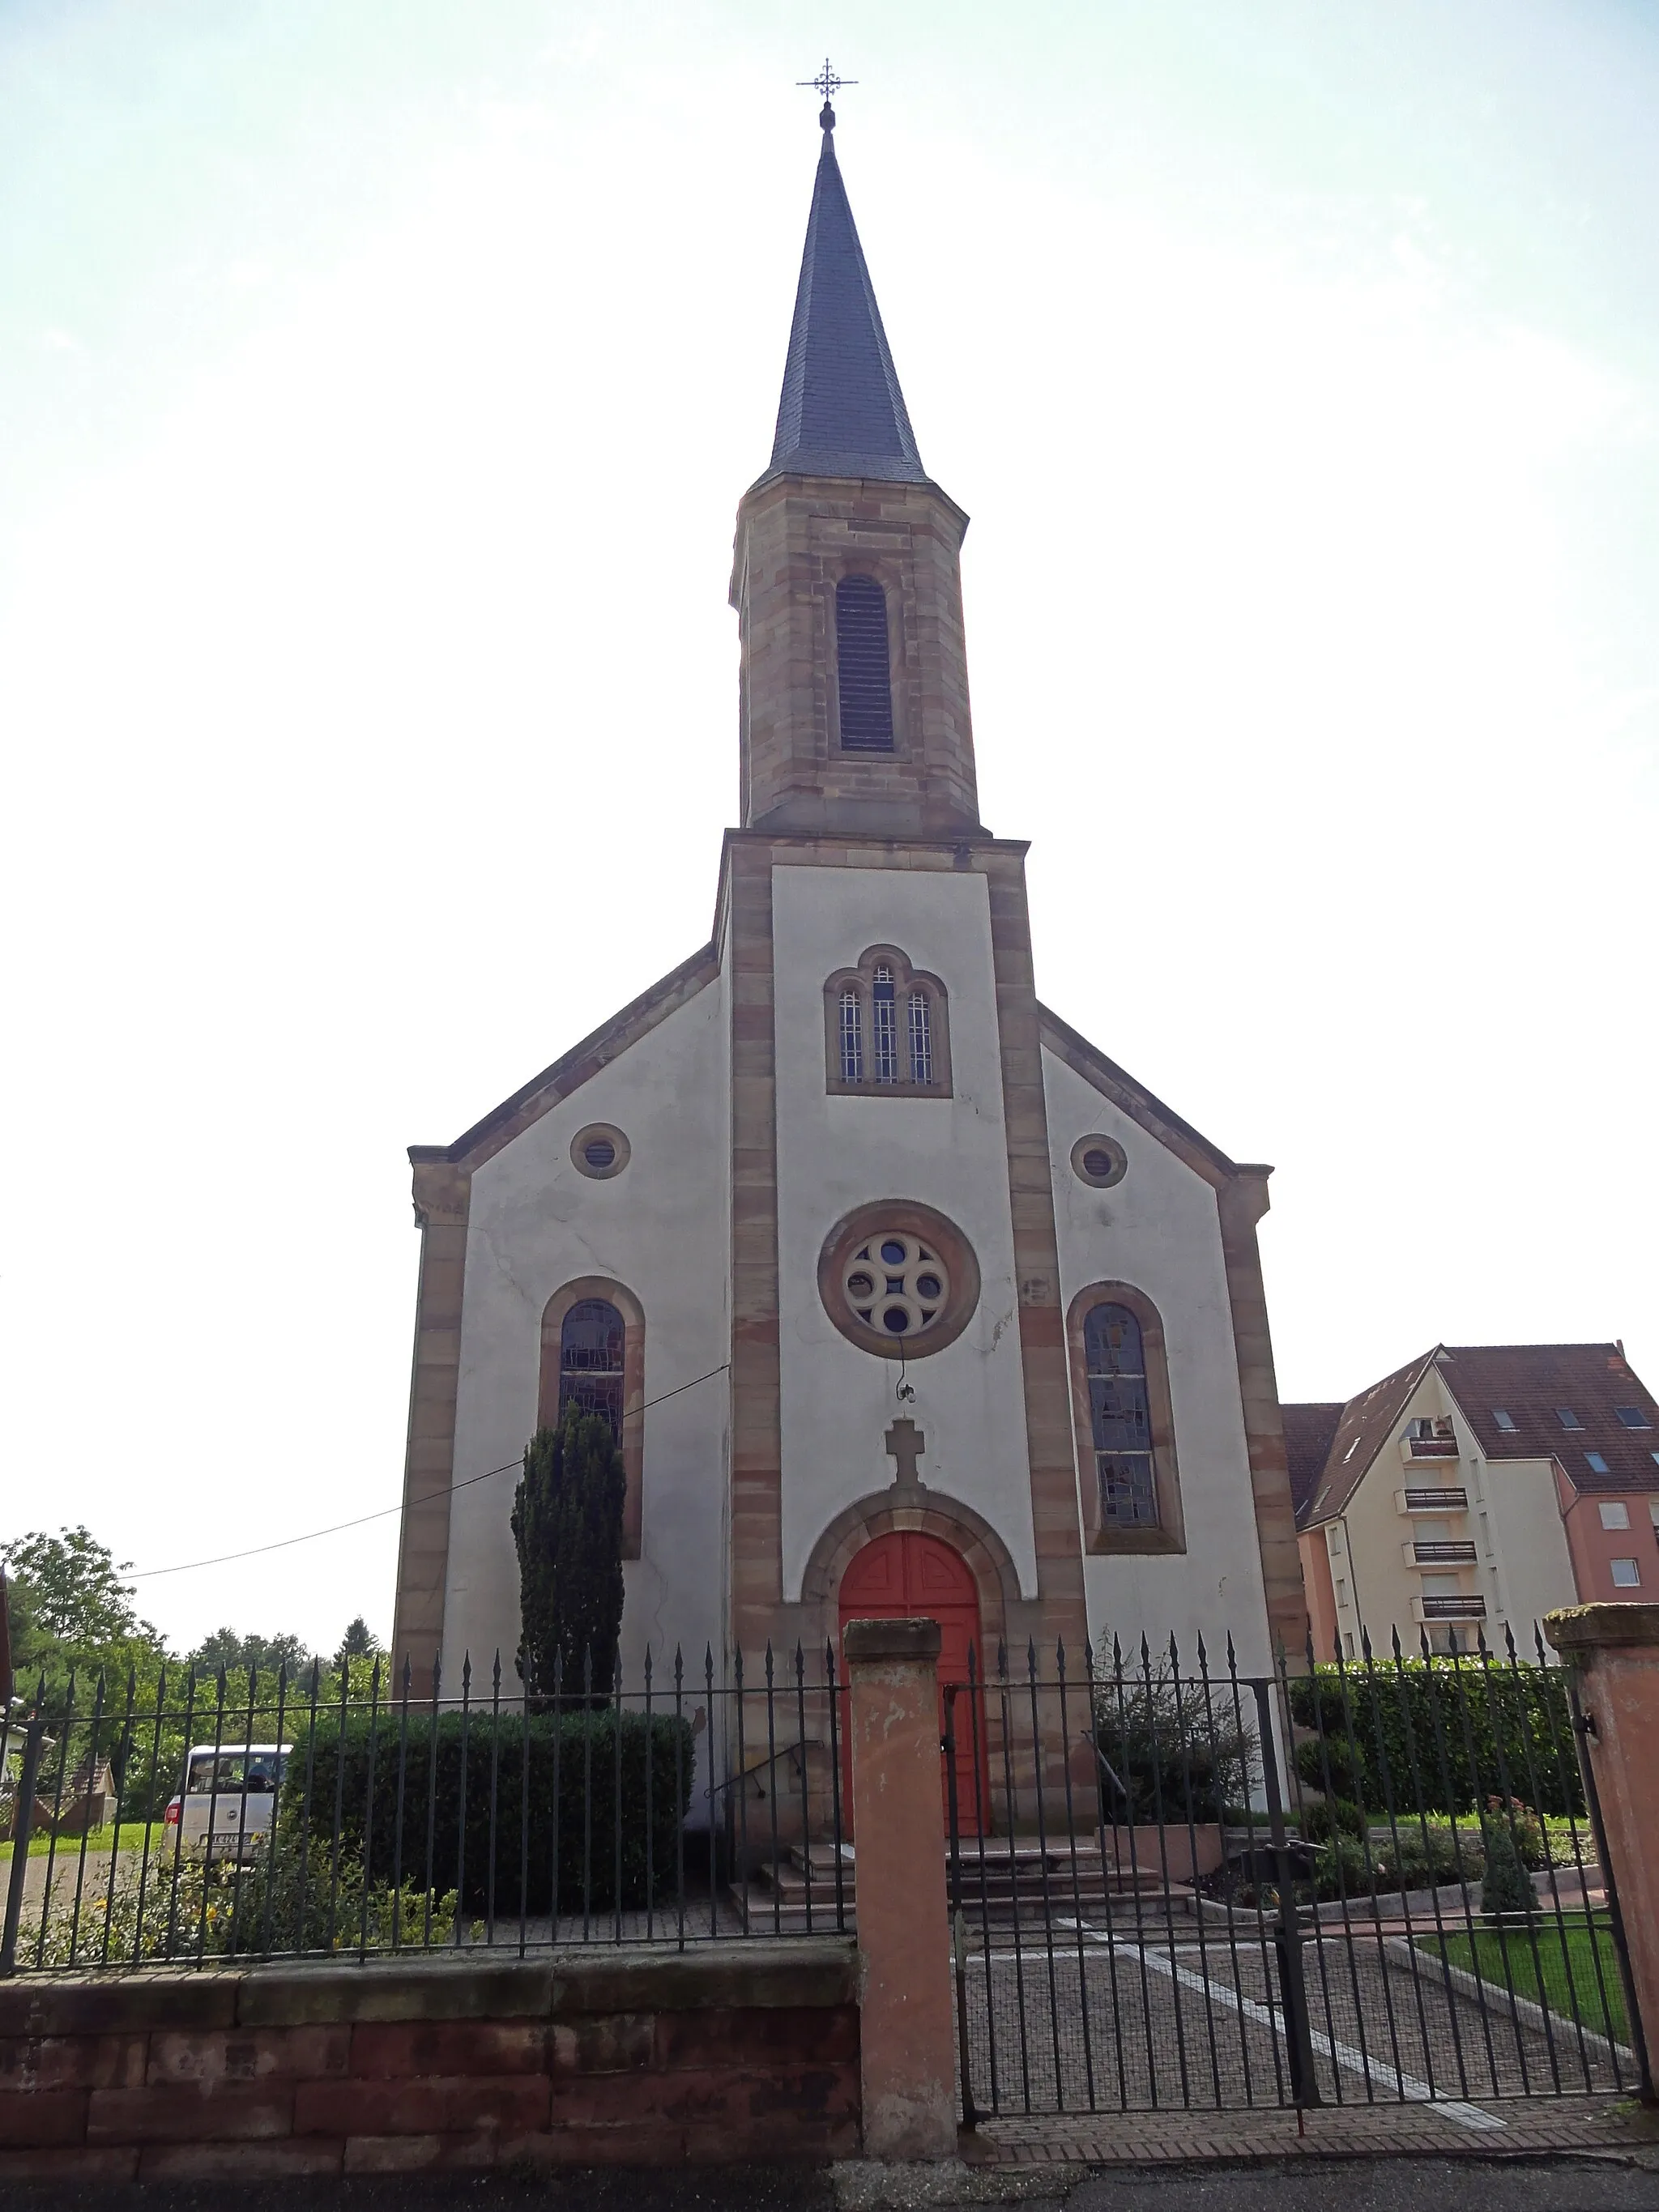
255, 1909
1161, 1755
1523, 1826
568, 1527
1507, 1887
1329, 1763
1320, 1814
589, 1750
1446, 1735
1426, 1855
1342, 1870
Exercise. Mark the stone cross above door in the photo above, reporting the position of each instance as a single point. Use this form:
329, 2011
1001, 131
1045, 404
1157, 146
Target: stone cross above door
905, 1445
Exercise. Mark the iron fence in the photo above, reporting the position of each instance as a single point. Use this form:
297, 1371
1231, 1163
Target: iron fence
1175, 1884
203, 1819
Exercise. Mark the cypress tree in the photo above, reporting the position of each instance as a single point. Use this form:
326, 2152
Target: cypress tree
1505, 1886
567, 1527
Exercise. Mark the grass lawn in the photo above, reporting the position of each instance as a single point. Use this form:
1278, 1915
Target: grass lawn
1544, 1978
99, 1843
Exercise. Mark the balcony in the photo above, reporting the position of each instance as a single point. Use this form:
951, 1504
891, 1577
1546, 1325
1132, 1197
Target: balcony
1417, 1500
1412, 1449
1439, 1554
1465, 1606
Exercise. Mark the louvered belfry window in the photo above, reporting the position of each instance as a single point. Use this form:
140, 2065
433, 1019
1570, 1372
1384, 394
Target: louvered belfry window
861, 666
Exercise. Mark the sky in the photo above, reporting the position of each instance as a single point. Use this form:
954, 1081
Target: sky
377, 385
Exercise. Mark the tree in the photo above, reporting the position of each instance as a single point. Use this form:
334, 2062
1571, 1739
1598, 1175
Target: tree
567, 1527
1505, 1886
236, 1654
70, 1609
359, 1642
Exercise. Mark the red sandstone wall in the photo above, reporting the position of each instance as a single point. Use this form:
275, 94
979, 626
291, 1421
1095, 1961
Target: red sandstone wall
737, 2052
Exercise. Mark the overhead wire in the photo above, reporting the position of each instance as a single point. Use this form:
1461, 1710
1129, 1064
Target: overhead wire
384, 1512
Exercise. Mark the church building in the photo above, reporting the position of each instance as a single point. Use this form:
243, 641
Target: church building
902, 1296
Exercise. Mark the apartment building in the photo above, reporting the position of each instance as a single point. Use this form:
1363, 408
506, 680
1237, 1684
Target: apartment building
1471, 1490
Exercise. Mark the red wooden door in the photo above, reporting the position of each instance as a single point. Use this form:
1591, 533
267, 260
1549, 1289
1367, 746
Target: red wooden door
910, 1575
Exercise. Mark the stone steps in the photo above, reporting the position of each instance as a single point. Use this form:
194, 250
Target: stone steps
1009, 1880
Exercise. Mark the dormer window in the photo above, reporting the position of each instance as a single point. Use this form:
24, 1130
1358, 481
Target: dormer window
887, 1029
864, 678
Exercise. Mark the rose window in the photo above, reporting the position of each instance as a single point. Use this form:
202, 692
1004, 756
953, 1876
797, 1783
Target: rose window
896, 1284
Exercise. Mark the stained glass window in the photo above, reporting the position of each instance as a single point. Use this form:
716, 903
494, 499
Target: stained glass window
922, 1039
591, 1344
883, 1027
1121, 1415
852, 1037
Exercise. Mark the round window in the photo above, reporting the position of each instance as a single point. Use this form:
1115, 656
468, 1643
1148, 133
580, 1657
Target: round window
599, 1151
898, 1279
1100, 1161
897, 1286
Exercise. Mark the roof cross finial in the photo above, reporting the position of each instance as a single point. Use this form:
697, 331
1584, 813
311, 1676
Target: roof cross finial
826, 81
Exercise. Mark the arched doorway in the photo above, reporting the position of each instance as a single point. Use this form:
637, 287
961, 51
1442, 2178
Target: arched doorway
907, 1574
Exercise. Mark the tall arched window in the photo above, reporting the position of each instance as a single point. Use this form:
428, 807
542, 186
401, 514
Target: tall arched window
592, 1347
852, 1037
887, 1028
922, 1039
1128, 1472
863, 673
1120, 1418
884, 1025
593, 1352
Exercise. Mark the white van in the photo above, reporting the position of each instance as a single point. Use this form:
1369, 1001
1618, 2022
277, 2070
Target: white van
230, 1794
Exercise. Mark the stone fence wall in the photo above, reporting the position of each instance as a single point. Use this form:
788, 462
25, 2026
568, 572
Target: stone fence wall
735, 2051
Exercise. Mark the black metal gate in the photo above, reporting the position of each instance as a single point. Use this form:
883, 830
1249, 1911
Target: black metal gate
1375, 1881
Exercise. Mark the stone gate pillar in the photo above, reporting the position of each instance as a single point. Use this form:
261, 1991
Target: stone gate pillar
907, 2026
1615, 1652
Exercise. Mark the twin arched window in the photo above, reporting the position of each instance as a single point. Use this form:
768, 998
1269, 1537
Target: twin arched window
887, 1028
864, 679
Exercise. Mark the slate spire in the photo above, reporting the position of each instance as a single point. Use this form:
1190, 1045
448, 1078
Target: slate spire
841, 413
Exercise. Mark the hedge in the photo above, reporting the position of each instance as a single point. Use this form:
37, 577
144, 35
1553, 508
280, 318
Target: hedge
581, 1745
1516, 1721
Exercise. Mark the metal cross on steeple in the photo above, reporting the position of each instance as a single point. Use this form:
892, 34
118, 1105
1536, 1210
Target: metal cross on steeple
826, 81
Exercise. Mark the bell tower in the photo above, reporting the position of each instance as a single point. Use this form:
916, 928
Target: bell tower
853, 667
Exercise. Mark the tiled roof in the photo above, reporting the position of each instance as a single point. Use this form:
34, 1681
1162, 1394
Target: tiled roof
841, 413
1534, 1383
1363, 1428
1308, 1433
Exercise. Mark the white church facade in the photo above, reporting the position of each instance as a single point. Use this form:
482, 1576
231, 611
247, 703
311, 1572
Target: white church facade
900, 1295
